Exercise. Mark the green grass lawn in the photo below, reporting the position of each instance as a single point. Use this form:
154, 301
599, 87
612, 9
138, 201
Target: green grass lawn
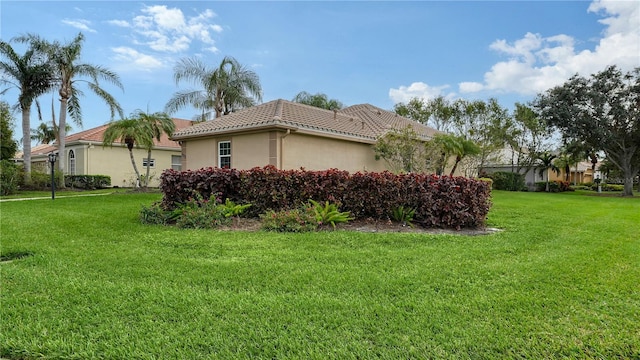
562, 280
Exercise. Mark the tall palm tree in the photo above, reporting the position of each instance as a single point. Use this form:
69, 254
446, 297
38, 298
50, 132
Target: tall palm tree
228, 87
32, 76
153, 125
69, 72
546, 163
131, 132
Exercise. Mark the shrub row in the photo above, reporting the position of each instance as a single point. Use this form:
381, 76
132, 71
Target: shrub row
554, 186
438, 201
504, 180
88, 182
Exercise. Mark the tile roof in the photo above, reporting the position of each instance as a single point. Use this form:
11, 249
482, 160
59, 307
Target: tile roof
94, 135
359, 122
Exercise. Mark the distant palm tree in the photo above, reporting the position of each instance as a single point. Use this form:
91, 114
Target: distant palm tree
318, 100
69, 73
45, 133
133, 134
154, 125
546, 163
32, 76
226, 88
140, 130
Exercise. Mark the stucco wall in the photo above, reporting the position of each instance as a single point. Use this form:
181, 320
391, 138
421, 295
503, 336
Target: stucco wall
116, 163
247, 151
316, 153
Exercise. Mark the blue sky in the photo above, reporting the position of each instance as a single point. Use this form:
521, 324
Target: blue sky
375, 52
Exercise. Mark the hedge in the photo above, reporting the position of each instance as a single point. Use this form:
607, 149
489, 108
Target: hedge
439, 201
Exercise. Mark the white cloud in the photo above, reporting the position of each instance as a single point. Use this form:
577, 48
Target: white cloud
417, 90
166, 29
537, 63
469, 86
79, 24
120, 23
132, 60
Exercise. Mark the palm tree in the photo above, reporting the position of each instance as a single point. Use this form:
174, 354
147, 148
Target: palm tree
546, 163
132, 132
153, 125
69, 73
45, 134
226, 88
31, 75
467, 147
318, 100
449, 145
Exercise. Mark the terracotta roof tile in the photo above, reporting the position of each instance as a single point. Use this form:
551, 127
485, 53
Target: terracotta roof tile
95, 135
365, 122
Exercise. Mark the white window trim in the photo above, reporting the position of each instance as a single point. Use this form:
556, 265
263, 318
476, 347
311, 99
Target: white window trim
152, 160
224, 156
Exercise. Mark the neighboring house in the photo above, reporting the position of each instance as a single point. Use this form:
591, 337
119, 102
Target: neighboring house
580, 173
290, 135
87, 156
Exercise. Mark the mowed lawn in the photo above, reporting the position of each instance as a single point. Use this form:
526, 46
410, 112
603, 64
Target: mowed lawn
562, 280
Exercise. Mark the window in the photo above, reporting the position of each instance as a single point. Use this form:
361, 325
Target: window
152, 162
72, 162
224, 154
176, 162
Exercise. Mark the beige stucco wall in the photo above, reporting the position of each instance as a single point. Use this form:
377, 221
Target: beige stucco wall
285, 151
116, 163
247, 151
318, 153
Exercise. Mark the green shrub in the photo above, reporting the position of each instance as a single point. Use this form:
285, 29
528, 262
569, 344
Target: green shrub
231, 209
403, 215
328, 213
503, 180
87, 182
156, 215
9, 177
295, 220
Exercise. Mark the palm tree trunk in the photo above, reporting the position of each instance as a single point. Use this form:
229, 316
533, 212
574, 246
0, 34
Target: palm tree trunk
26, 143
146, 179
62, 143
135, 168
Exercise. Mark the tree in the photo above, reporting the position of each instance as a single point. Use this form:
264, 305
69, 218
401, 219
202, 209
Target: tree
226, 88
31, 75
133, 133
154, 125
8, 146
47, 133
526, 138
69, 73
546, 163
318, 100
603, 112
437, 112
405, 151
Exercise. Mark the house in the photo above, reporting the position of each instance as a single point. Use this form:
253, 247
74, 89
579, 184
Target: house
290, 135
582, 172
87, 156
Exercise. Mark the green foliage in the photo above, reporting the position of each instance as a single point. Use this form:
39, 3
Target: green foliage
87, 182
504, 180
155, 214
294, 220
318, 100
200, 213
231, 209
328, 213
8, 146
9, 177
403, 215
405, 151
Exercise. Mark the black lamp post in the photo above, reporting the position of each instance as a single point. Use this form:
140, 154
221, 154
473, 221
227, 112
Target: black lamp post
52, 162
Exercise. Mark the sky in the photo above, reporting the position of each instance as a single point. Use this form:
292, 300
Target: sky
376, 52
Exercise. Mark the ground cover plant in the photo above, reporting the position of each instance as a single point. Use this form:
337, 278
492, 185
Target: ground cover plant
82, 278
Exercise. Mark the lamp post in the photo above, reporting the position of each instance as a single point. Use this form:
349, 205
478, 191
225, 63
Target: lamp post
52, 162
